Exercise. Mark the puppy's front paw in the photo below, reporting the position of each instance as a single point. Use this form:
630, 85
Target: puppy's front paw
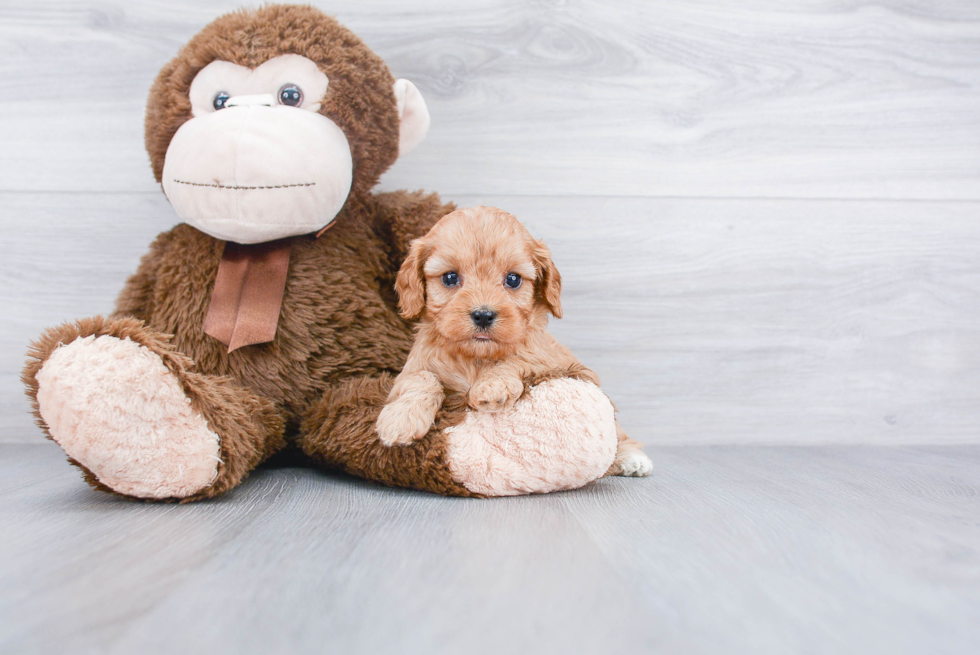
495, 393
400, 424
631, 463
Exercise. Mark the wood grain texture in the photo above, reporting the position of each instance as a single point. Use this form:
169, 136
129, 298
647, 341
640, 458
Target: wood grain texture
737, 550
727, 321
674, 97
709, 321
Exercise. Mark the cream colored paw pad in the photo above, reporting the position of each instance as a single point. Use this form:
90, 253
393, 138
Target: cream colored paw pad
113, 406
560, 435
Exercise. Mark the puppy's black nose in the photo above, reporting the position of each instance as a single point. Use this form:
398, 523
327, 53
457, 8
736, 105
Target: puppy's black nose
483, 317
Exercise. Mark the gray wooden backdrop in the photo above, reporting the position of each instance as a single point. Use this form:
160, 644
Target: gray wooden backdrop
766, 213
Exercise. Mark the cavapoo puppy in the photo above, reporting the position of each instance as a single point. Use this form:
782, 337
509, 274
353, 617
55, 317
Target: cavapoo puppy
483, 288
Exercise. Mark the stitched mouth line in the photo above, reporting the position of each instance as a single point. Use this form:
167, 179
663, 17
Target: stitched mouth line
222, 186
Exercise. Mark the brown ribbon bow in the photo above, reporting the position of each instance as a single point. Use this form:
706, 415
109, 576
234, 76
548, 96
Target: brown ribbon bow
248, 293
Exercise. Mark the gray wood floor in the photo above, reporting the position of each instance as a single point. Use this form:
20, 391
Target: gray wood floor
767, 217
833, 549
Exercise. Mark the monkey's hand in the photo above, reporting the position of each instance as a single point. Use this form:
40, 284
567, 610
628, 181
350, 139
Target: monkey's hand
409, 416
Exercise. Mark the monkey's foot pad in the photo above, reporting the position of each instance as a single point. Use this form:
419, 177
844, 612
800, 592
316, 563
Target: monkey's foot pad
560, 435
115, 408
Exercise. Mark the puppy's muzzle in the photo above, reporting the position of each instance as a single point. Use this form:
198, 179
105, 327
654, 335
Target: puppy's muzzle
483, 317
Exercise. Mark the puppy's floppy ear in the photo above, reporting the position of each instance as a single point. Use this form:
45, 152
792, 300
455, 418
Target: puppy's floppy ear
547, 287
410, 283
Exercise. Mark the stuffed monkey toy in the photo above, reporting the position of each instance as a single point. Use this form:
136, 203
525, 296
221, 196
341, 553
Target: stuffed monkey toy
267, 319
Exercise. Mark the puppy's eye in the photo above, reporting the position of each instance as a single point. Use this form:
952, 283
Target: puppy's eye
450, 279
220, 98
513, 280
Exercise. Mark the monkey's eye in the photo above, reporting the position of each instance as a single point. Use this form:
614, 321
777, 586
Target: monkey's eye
513, 280
220, 98
290, 95
450, 279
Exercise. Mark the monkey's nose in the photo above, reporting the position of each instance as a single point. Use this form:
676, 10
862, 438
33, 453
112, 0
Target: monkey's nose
266, 99
483, 317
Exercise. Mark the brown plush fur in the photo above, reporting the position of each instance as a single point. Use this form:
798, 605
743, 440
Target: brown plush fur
488, 365
250, 427
360, 99
350, 411
339, 327
335, 321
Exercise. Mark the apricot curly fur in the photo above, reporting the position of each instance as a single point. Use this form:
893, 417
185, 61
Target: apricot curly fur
480, 246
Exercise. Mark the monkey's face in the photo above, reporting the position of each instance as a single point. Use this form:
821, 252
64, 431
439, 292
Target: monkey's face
256, 162
268, 120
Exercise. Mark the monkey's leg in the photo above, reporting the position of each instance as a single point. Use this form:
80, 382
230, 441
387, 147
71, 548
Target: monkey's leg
560, 435
340, 432
129, 410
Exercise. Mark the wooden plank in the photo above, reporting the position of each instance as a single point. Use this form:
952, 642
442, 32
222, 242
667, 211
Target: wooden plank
709, 321
674, 98
722, 321
800, 550
741, 550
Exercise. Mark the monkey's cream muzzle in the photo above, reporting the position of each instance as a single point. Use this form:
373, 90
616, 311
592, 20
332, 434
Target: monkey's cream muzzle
258, 171
257, 161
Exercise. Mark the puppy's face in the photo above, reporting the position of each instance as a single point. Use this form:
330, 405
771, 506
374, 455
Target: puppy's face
482, 281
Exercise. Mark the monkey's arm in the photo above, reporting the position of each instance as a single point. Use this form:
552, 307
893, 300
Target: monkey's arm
400, 216
136, 299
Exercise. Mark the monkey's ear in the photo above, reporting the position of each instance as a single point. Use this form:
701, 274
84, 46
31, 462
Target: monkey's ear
413, 116
410, 283
548, 285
